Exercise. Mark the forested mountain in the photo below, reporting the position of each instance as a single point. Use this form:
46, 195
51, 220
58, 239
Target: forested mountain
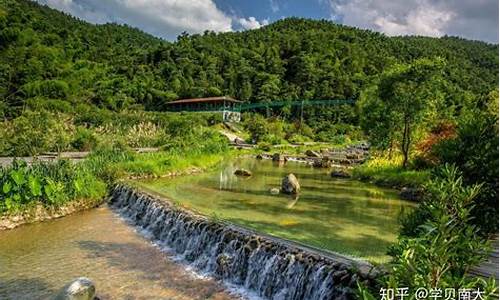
52, 60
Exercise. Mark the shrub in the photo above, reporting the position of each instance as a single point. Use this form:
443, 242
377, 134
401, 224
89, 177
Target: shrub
256, 125
264, 146
35, 132
84, 139
388, 172
50, 184
443, 246
47, 88
146, 134
474, 150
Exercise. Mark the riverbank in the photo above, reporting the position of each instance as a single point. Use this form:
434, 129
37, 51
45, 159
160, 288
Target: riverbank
39, 213
389, 173
48, 190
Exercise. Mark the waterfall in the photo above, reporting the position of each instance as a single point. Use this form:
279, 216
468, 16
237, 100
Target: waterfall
264, 266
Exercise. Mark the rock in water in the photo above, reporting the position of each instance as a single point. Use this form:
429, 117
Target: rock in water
278, 157
290, 184
242, 172
274, 191
80, 289
340, 174
322, 163
312, 153
411, 194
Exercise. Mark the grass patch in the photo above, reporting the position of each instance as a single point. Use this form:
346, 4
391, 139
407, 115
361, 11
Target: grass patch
163, 163
388, 172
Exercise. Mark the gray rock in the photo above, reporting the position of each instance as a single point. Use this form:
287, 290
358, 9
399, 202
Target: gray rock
290, 184
345, 162
239, 141
412, 194
274, 191
279, 157
340, 174
352, 155
242, 172
312, 153
322, 163
80, 289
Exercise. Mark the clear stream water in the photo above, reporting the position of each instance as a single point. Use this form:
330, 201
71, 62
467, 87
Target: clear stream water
335, 214
340, 215
37, 260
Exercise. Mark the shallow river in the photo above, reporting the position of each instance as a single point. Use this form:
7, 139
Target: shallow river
341, 215
37, 260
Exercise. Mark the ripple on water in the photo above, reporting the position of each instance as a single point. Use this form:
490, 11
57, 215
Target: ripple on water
37, 260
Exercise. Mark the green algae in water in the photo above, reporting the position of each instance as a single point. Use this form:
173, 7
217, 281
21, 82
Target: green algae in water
339, 215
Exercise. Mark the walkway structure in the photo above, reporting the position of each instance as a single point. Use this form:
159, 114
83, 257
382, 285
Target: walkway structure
232, 108
301, 103
489, 268
227, 105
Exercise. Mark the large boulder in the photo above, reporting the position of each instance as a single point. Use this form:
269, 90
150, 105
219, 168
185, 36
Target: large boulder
290, 184
312, 153
242, 172
80, 289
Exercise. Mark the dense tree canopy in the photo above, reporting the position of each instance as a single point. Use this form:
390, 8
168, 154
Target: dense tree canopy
52, 60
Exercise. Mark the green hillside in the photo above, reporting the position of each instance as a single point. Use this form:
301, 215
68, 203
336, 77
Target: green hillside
52, 60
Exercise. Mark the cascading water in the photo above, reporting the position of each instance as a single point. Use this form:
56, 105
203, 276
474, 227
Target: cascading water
264, 266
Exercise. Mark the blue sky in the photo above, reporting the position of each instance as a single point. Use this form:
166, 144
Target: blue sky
472, 19
276, 9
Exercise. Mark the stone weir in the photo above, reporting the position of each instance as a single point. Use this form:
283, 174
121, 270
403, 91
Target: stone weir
262, 265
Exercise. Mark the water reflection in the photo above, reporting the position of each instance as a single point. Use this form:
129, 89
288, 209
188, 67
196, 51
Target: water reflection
338, 214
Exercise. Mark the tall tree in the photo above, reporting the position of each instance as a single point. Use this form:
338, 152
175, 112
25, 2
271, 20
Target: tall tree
407, 91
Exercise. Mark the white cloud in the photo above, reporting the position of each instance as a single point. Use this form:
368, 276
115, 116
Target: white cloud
274, 5
471, 19
252, 23
424, 20
166, 18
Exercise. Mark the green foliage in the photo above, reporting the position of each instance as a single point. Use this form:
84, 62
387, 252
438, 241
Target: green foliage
474, 150
84, 139
443, 247
55, 184
50, 184
389, 172
256, 125
35, 132
407, 92
48, 54
47, 88
69, 85
340, 134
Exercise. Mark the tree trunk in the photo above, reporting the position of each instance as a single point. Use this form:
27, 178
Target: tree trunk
405, 145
